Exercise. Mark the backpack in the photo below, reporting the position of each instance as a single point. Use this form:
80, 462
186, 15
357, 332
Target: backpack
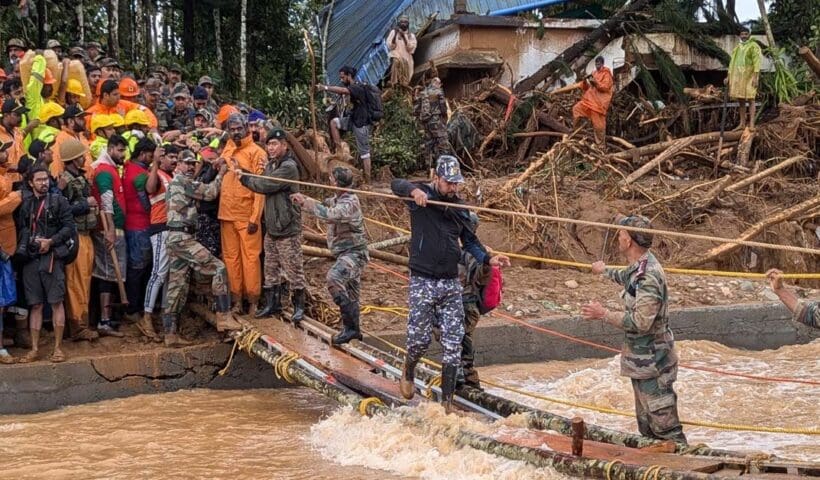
67, 252
490, 294
375, 109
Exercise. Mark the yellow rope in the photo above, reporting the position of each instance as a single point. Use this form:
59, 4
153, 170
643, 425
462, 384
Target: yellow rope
398, 311
681, 271
434, 382
244, 341
366, 402
549, 218
652, 471
609, 467
612, 411
281, 364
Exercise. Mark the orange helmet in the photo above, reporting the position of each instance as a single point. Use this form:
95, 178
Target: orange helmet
48, 78
224, 112
129, 88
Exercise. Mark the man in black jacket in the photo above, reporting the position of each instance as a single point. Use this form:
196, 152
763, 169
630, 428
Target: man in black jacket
47, 224
283, 222
435, 289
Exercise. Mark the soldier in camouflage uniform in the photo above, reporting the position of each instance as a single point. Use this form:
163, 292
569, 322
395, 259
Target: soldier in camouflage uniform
431, 110
347, 241
185, 254
803, 311
435, 291
648, 356
473, 277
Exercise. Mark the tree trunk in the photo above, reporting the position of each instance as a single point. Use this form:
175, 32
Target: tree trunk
676, 147
166, 29
810, 59
42, 23
80, 21
218, 39
188, 43
764, 18
584, 49
656, 148
147, 22
243, 48
113, 28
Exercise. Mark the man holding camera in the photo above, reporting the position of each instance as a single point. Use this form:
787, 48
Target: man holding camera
46, 234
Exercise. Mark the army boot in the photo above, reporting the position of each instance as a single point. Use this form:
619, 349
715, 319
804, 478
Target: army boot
448, 386
273, 302
225, 320
350, 320
407, 385
298, 300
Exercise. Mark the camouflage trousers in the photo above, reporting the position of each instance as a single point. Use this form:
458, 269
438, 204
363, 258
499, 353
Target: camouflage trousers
436, 141
283, 262
435, 303
471, 317
344, 277
186, 255
656, 406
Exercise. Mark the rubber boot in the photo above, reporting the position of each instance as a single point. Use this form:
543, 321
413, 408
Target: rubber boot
253, 303
448, 386
350, 320
273, 305
407, 385
298, 301
238, 308
172, 339
146, 327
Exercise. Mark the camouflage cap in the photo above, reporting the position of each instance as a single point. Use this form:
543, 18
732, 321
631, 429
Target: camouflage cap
638, 221
93, 45
181, 90
447, 167
153, 86
187, 156
77, 52
53, 44
343, 176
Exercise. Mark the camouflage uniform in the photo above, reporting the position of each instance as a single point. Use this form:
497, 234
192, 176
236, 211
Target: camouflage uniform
348, 243
161, 112
807, 313
435, 303
180, 119
648, 355
431, 110
184, 252
472, 277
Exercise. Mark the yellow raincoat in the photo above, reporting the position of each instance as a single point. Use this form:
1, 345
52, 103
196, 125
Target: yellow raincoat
744, 70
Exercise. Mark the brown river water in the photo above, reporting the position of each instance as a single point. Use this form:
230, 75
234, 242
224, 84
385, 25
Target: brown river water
296, 433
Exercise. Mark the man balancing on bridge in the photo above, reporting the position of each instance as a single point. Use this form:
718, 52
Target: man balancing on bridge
648, 356
803, 311
435, 290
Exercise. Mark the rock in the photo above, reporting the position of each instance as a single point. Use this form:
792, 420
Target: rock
727, 292
571, 284
519, 313
768, 294
747, 286
691, 285
509, 308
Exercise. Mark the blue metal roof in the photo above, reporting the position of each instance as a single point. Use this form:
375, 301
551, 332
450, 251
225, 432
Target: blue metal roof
358, 29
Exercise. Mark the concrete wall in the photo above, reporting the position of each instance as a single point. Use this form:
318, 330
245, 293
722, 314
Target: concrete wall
30, 388
753, 327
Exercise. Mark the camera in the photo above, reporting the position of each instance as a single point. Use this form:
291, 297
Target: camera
33, 247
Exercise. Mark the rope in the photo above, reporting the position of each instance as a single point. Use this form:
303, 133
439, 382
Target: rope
587, 266
612, 411
609, 467
652, 471
549, 218
281, 364
397, 311
366, 402
434, 382
244, 341
599, 346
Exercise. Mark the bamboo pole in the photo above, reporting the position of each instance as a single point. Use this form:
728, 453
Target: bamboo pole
765, 173
659, 147
676, 147
390, 242
323, 252
810, 59
538, 134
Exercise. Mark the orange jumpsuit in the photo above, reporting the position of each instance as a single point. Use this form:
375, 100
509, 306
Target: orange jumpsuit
595, 101
57, 167
239, 207
15, 152
8, 202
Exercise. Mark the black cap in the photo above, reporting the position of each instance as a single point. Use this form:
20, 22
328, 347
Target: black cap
14, 106
276, 133
74, 111
143, 145
37, 147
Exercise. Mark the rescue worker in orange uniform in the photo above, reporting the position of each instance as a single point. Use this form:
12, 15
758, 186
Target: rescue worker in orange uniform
73, 128
595, 101
240, 214
9, 201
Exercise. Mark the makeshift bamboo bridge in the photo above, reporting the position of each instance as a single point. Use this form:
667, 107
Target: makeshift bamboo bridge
365, 377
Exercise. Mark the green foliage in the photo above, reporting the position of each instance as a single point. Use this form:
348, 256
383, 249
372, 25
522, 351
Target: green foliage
795, 21
288, 105
785, 83
671, 74
397, 141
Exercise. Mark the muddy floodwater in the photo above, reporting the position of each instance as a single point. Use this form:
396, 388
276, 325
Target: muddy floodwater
296, 433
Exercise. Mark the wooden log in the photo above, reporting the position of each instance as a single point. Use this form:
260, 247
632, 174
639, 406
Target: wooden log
656, 148
670, 152
502, 97
811, 60
541, 133
765, 173
305, 158
744, 147
578, 436
325, 253
581, 51
390, 242
756, 229
534, 166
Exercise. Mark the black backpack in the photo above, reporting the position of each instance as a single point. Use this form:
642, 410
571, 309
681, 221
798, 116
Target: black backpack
374, 102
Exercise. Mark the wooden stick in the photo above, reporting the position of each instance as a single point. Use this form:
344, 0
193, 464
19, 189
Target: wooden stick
538, 134
744, 148
578, 431
323, 252
312, 95
810, 59
657, 148
756, 229
670, 152
765, 173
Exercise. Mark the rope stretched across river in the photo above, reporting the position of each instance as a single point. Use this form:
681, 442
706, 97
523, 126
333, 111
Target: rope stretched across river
549, 218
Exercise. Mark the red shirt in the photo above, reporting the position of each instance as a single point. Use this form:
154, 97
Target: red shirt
159, 209
134, 177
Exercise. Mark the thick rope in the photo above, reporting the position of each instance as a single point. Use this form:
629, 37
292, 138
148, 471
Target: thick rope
366, 402
609, 467
653, 472
549, 218
434, 382
244, 341
281, 364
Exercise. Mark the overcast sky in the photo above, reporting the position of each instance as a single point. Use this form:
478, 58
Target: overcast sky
747, 9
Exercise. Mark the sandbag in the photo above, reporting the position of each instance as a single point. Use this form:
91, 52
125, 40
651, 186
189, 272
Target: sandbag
52, 63
76, 70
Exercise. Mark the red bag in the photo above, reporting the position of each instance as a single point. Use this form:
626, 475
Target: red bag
491, 293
